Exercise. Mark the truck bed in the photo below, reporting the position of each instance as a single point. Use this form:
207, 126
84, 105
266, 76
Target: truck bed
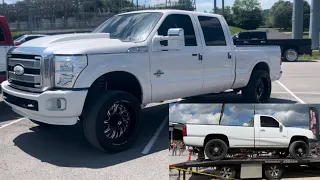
302, 45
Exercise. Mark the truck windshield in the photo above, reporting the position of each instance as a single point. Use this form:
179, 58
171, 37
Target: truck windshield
134, 27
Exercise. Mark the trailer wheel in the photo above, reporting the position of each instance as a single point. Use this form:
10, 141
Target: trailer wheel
258, 89
291, 55
227, 172
216, 149
111, 123
299, 149
273, 171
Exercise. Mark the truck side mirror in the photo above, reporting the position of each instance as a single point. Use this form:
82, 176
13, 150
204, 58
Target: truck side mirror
281, 127
175, 38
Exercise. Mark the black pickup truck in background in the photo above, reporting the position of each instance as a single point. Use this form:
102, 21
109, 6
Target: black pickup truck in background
290, 48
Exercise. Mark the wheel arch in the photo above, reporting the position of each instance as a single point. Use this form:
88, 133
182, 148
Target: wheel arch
298, 138
222, 137
116, 80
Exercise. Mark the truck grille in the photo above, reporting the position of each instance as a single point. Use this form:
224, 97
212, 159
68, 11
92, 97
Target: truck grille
31, 77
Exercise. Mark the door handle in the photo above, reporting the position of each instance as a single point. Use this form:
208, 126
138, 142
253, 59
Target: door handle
200, 57
229, 55
194, 54
262, 130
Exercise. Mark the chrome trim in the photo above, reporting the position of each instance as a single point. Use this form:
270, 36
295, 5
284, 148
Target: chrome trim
27, 63
46, 59
29, 78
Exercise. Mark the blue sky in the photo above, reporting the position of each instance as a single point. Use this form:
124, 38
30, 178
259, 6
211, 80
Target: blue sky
291, 115
202, 5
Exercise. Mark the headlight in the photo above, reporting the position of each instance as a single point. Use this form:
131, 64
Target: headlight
68, 68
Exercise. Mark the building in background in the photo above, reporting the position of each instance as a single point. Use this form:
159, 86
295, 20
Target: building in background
175, 131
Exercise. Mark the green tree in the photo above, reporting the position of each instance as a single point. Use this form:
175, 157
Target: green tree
247, 14
281, 15
227, 14
185, 5
306, 15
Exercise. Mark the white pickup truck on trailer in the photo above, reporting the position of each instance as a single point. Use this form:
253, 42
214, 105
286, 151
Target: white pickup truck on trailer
103, 78
261, 133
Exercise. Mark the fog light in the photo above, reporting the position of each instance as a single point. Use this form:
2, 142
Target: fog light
56, 104
61, 104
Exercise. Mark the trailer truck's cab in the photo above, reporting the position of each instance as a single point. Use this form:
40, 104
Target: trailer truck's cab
6, 42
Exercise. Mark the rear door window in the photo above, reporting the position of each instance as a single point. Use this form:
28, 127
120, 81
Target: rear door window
212, 31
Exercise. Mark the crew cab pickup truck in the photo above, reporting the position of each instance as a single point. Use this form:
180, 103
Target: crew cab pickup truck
290, 48
104, 78
6, 42
260, 133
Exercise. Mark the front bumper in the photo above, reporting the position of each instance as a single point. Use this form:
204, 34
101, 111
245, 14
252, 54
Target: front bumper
43, 106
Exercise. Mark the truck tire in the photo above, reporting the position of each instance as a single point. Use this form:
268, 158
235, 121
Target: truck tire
258, 89
227, 172
273, 171
299, 149
216, 149
111, 122
291, 55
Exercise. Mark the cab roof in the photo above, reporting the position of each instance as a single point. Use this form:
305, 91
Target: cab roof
173, 11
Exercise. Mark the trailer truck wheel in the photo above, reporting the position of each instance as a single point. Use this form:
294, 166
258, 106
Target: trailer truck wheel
258, 89
273, 171
216, 149
291, 55
111, 123
299, 149
227, 172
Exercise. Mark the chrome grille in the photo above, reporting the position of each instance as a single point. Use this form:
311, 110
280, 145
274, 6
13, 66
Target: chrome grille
32, 73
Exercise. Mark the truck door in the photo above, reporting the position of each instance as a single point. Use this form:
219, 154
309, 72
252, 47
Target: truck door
217, 54
270, 133
177, 73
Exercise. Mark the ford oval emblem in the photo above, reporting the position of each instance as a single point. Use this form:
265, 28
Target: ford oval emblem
18, 70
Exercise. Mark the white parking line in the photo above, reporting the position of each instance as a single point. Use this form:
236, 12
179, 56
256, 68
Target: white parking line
10, 123
307, 93
296, 97
148, 147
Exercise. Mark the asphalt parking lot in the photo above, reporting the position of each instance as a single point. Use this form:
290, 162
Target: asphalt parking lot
30, 152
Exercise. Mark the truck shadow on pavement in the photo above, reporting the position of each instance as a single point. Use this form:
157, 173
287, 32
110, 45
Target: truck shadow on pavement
228, 98
6, 113
66, 146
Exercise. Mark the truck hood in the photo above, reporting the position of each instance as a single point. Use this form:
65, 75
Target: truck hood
82, 43
300, 132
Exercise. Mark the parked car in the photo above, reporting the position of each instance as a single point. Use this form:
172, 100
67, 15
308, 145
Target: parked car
6, 42
26, 38
261, 133
103, 78
290, 48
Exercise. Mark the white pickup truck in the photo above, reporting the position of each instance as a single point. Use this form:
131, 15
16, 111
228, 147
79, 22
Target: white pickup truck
261, 133
104, 78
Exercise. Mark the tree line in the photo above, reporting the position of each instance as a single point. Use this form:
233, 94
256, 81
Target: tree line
248, 14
